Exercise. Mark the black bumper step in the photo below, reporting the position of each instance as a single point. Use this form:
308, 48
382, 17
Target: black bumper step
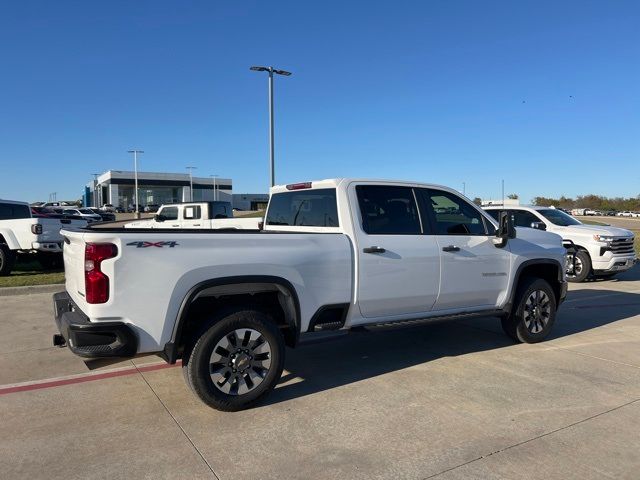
91, 339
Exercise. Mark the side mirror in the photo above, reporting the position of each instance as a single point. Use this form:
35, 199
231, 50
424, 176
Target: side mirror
505, 231
158, 218
538, 225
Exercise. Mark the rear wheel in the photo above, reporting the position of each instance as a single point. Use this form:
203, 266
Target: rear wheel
534, 311
579, 267
237, 361
7, 260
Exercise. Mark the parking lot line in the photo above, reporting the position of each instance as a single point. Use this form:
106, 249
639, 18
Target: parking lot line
83, 377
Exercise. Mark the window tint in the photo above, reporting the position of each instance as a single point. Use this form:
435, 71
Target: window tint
558, 217
309, 208
452, 214
170, 213
495, 214
10, 211
388, 210
192, 212
220, 211
522, 218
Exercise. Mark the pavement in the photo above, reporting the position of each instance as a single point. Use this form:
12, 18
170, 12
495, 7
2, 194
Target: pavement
451, 400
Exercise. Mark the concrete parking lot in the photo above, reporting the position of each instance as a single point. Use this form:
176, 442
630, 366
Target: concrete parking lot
449, 400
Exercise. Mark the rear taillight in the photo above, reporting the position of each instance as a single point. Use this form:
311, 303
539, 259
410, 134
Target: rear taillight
36, 229
96, 283
298, 186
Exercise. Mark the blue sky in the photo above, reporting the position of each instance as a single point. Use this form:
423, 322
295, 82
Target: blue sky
543, 94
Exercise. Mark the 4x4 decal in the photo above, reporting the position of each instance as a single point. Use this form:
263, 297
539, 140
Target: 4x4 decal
152, 244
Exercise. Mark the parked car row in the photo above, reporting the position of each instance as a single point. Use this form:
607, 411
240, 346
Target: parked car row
587, 212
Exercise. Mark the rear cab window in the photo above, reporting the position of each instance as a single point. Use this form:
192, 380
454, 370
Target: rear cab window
13, 211
303, 208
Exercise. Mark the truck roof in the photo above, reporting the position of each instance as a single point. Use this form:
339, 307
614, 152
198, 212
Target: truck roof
336, 182
15, 202
518, 207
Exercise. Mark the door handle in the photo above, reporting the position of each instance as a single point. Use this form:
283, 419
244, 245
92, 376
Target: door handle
373, 250
175, 225
451, 248
196, 224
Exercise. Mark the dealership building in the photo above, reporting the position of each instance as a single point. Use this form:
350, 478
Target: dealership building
117, 187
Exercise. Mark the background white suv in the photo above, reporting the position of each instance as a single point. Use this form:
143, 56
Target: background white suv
602, 250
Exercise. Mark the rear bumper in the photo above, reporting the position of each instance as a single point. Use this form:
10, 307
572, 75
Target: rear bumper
91, 339
53, 247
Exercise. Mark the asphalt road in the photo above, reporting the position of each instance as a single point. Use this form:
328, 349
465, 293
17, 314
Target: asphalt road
447, 401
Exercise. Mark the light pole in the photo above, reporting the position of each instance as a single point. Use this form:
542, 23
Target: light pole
191, 181
95, 190
215, 190
271, 71
135, 174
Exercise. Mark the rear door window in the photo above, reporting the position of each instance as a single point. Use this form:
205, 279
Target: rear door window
388, 210
305, 208
192, 212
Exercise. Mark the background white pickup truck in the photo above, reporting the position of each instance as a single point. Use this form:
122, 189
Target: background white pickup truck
602, 250
22, 233
196, 215
334, 254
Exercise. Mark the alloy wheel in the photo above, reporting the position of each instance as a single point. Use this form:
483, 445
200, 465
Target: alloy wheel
240, 361
537, 311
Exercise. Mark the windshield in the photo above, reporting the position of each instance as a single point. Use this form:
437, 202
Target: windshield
86, 211
558, 217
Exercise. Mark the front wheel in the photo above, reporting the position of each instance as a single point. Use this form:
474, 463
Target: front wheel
237, 361
534, 311
579, 267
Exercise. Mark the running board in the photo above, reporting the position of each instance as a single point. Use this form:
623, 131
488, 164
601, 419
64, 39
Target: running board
436, 318
310, 338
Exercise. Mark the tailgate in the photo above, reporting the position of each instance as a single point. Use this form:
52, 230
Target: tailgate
50, 230
73, 248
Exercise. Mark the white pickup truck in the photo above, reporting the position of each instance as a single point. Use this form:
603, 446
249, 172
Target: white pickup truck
602, 250
196, 215
333, 255
21, 233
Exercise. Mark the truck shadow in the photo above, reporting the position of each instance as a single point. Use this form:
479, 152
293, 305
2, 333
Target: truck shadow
362, 355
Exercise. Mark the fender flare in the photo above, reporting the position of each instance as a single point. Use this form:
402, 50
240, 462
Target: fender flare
527, 263
9, 238
170, 351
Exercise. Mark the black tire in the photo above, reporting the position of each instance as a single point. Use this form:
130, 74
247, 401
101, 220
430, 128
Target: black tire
583, 267
7, 260
523, 322
224, 329
51, 261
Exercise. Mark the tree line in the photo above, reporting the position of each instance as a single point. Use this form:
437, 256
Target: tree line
595, 202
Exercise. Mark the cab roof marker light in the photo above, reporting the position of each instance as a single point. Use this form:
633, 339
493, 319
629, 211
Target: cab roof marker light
299, 186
